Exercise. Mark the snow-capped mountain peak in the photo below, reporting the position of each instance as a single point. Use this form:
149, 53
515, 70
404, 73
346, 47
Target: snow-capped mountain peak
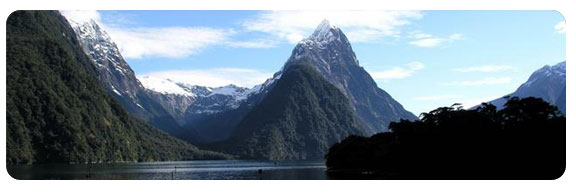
324, 35
548, 83
104, 53
89, 29
118, 77
557, 71
323, 31
329, 51
168, 86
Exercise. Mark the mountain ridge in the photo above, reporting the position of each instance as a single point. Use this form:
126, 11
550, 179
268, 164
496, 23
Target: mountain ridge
548, 83
196, 110
331, 53
118, 77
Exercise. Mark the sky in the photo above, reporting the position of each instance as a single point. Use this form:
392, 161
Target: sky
423, 59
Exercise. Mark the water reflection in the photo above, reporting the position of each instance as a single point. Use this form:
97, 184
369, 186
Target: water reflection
180, 170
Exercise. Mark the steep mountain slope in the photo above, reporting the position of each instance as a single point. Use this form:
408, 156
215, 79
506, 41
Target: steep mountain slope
548, 83
561, 101
57, 111
300, 118
331, 54
118, 78
193, 113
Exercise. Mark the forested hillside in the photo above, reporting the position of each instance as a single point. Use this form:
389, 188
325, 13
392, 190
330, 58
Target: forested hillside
300, 118
56, 109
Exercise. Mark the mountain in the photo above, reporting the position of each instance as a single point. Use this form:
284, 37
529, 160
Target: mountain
331, 54
548, 83
299, 118
57, 110
206, 114
193, 99
186, 111
118, 78
193, 113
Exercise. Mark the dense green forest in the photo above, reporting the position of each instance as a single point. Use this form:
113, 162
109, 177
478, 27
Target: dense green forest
56, 109
300, 118
525, 140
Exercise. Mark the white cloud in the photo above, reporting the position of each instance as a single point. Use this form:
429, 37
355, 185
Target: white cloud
360, 26
483, 82
81, 15
429, 41
214, 77
484, 68
419, 35
560, 27
398, 72
166, 41
414, 66
169, 42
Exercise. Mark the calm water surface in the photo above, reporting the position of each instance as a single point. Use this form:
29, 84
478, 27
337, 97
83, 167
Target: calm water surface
180, 170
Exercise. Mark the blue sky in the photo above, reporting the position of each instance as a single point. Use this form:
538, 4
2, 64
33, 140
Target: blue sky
424, 59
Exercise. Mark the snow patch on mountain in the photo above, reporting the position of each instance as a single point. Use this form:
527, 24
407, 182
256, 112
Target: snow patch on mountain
330, 52
164, 86
167, 86
548, 83
116, 91
324, 32
101, 45
231, 90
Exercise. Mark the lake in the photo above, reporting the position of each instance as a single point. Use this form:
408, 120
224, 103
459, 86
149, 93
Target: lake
179, 170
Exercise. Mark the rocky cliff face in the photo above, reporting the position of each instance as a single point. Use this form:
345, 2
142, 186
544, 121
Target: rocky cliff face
331, 54
118, 78
548, 83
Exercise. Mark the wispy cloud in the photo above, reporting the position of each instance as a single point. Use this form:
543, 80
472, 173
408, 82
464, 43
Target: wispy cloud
167, 42
430, 41
560, 27
482, 82
399, 72
214, 77
484, 68
259, 43
361, 26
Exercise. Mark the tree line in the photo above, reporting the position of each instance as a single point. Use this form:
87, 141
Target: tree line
524, 140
